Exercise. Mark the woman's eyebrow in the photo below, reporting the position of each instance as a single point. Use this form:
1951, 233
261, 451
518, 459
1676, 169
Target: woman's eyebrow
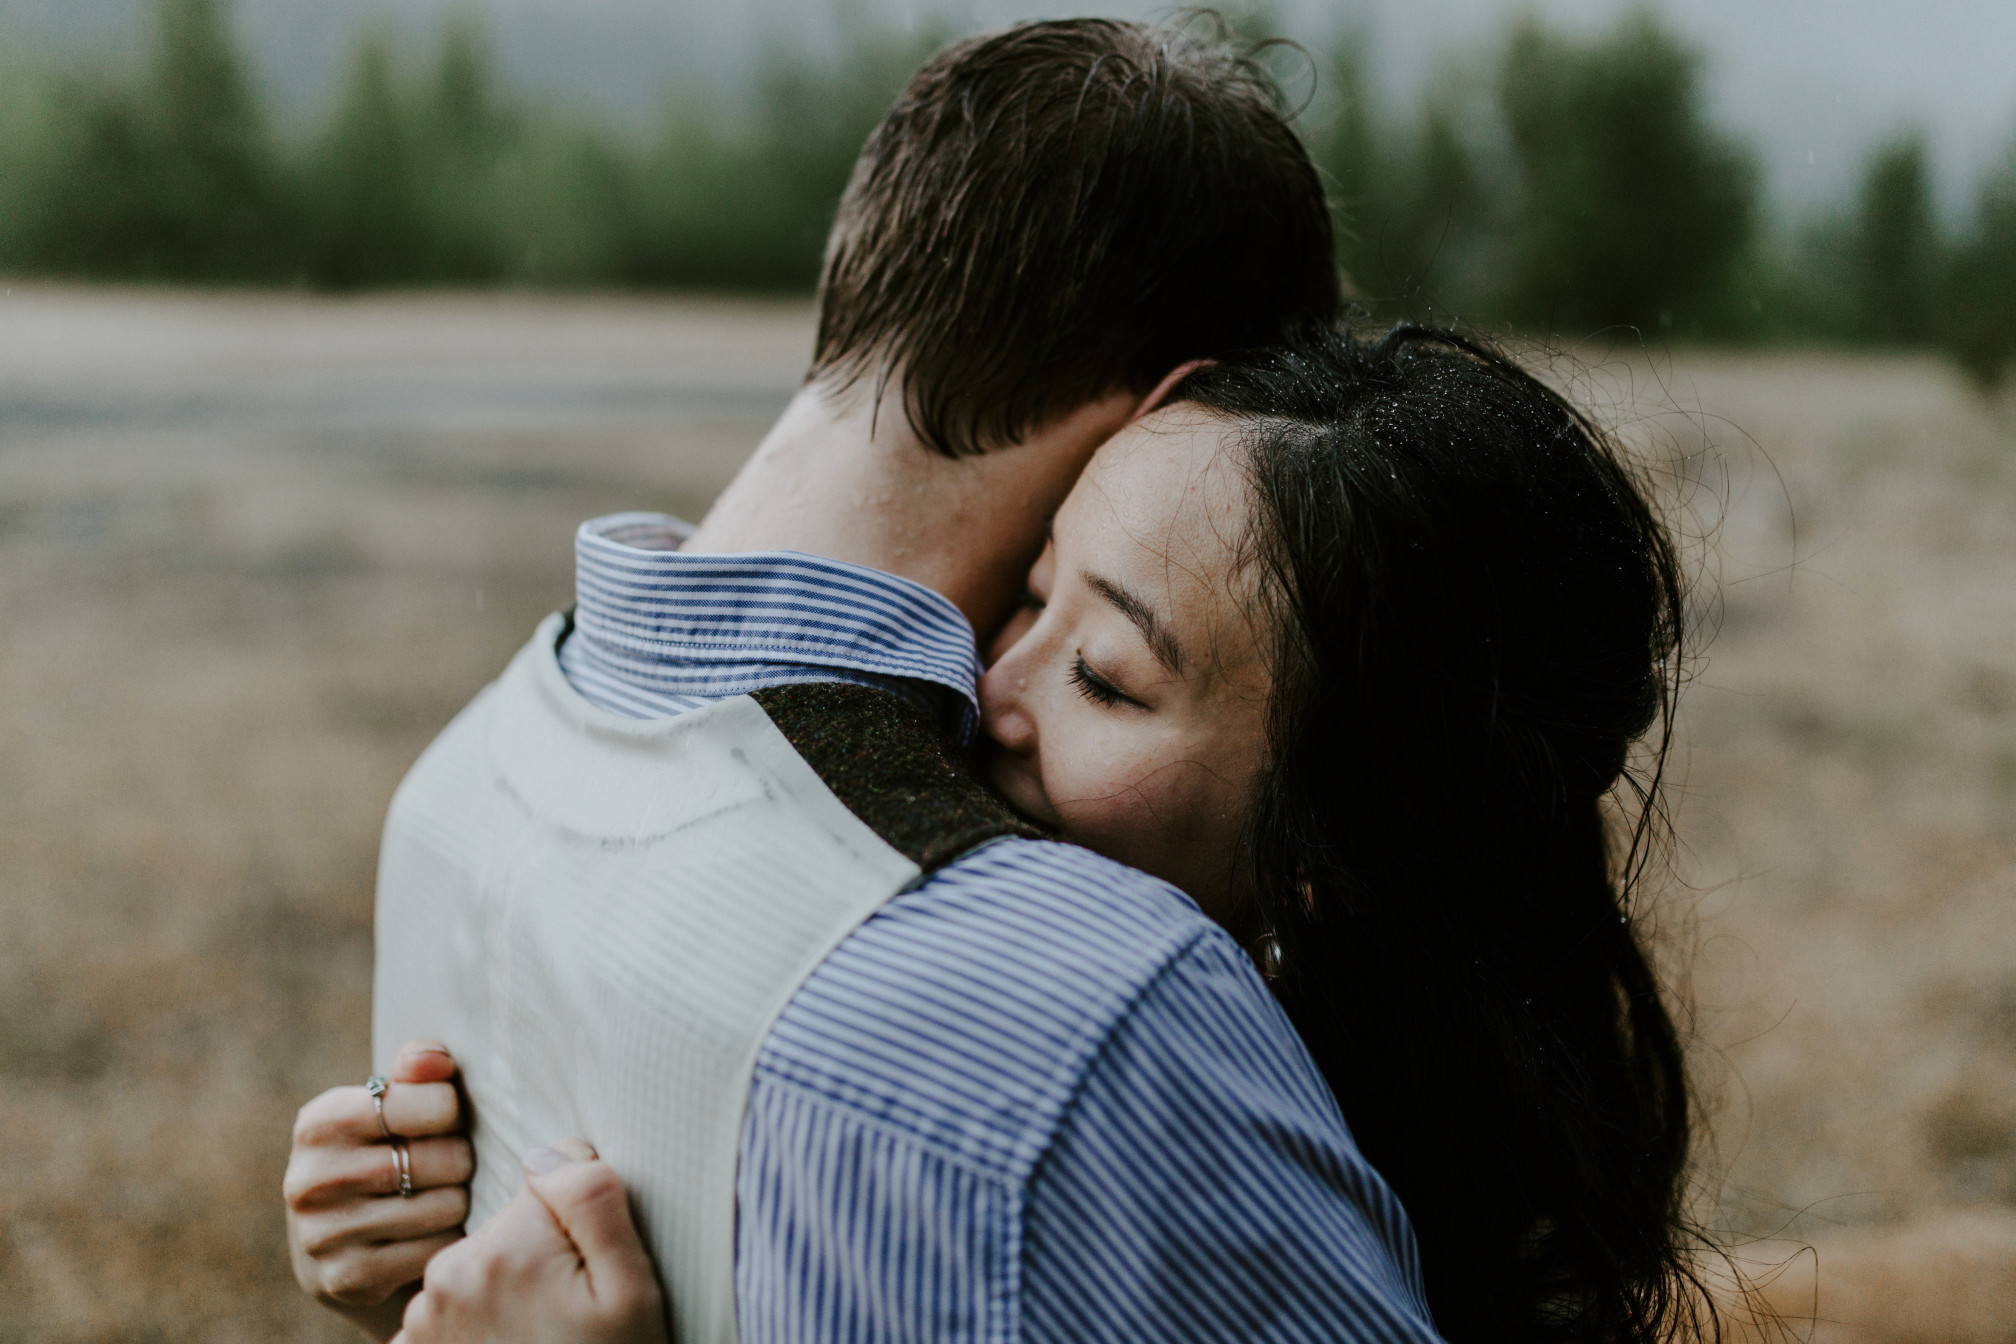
1161, 642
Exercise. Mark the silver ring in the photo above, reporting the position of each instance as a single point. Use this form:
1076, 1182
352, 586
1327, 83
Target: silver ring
403, 1160
376, 1086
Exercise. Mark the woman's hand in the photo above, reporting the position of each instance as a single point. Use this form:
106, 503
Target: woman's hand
561, 1264
357, 1245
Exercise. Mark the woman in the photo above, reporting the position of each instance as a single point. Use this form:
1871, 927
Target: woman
1423, 613
1352, 642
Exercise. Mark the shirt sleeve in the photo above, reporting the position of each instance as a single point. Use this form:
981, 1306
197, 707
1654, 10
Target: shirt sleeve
1203, 1186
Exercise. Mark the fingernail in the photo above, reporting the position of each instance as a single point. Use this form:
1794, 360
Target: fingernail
542, 1160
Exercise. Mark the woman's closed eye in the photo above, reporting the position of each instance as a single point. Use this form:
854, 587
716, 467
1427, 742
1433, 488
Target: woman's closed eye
1096, 688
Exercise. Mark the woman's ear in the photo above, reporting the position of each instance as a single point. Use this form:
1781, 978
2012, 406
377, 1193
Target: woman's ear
1168, 384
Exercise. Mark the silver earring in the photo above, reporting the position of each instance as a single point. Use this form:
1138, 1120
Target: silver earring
1267, 956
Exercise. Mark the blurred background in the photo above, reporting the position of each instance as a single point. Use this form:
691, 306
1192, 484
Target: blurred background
324, 323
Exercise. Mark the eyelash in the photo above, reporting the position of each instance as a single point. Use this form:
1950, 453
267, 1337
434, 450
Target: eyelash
1096, 688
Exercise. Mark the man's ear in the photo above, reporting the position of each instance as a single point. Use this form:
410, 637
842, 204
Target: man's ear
1167, 385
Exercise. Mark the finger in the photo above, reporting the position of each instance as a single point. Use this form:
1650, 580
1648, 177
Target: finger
404, 1262
422, 1062
319, 1178
523, 1232
368, 1275
388, 1218
450, 1270
348, 1115
414, 1324
570, 1150
448, 1289
587, 1199
520, 1243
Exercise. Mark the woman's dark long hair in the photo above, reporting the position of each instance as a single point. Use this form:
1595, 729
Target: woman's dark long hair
1477, 615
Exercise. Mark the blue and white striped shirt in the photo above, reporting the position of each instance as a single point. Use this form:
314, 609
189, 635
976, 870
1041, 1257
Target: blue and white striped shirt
1038, 1097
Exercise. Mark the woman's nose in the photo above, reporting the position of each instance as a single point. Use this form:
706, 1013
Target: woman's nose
1002, 711
1011, 634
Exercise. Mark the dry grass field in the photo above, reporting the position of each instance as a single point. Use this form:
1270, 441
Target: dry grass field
255, 551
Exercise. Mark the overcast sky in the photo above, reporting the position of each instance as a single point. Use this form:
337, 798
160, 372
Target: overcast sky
1810, 83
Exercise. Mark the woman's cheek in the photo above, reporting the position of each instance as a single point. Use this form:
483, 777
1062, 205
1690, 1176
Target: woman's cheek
1103, 797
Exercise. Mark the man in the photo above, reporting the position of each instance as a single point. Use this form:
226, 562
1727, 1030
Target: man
1030, 1094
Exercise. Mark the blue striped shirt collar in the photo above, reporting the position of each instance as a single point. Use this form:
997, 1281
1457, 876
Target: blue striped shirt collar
716, 625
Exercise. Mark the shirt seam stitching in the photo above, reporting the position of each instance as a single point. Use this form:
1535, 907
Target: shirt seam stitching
1001, 1174
1175, 957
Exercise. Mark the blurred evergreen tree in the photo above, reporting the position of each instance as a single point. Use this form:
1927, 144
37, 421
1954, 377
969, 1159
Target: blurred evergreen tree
1415, 207
1978, 320
82, 201
176, 180
369, 223
444, 181
565, 205
1630, 210
1439, 243
219, 201
721, 206
35, 111
1345, 142
1805, 286
460, 140
1895, 250
1577, 187
467, 118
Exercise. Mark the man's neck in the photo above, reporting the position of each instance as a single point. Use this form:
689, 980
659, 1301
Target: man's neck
835, 479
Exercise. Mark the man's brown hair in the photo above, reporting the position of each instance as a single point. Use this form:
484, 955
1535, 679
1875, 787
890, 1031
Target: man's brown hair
1063, 210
